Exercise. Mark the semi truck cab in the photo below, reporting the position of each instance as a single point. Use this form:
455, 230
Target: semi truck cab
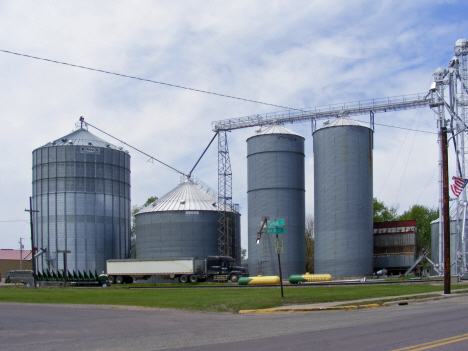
223, 268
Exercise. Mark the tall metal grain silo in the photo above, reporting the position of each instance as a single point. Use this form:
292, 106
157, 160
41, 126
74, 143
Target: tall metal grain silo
276, 190
81, 188
182, 223
456, 247
343, 198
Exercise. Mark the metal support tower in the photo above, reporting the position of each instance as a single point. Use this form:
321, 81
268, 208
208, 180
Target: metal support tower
394, 103
455, 78
226, 242
458, 108
438, 106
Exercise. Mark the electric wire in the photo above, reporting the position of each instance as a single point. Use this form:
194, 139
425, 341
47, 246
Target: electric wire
427, 184
148, 80
409, 155
18, 220
404, 128
134, 148
396, 158
174, 85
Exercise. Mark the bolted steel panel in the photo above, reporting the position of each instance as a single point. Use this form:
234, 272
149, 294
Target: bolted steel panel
343, 199
276, 190
168, 234
455, 246
74, 214
183, 222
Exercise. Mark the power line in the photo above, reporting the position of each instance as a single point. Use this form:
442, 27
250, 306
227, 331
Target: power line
18, 220
148, 80
179, 86
134, 148
410, 129
389, 126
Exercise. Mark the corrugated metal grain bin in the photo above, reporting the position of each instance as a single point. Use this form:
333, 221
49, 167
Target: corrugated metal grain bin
343, 199
182, 223
276, 190
455, 246
81, 188
395, 245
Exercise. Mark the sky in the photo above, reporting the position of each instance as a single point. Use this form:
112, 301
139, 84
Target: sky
297, 54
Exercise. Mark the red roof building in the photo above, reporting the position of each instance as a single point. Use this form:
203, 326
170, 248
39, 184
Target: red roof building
10, 260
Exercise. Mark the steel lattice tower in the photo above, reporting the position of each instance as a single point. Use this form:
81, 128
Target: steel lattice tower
458, 86
226, 243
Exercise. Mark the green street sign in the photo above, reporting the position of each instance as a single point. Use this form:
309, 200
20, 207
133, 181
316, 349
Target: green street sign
277, 230
275, 223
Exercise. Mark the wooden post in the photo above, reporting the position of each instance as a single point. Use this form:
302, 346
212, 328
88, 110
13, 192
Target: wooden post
33, 259
446, 214
280, 274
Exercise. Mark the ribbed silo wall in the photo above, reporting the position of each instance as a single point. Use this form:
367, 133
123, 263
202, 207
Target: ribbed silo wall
83, 198
455, 244
237, 237
343, 201
170, 234
276, 189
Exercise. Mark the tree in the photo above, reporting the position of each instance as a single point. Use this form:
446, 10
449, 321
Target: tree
382, 213
309, 243
135, 210
423, 216
243, 254
151, 199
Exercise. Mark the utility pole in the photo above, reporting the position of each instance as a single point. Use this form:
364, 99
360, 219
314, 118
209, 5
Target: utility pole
32, 240
446, 213
21, 253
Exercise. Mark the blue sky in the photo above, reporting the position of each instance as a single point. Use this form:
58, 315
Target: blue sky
297, 54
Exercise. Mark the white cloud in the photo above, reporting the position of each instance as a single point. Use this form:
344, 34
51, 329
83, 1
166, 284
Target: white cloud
297, 54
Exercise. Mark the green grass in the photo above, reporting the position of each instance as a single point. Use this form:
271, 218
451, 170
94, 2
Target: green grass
211, 300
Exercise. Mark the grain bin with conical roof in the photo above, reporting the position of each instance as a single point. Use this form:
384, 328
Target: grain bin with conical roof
343, 199
276, 190
182, 223
81, 188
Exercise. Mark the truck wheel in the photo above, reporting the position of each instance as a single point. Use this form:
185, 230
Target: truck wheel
111, 279
129, 280
119, 279
234, 278
193, 278
183, 279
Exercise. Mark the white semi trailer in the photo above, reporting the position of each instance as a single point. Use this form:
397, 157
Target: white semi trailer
191, 269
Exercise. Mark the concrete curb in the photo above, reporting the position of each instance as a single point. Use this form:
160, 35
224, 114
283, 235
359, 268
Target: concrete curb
355, 307
313, 309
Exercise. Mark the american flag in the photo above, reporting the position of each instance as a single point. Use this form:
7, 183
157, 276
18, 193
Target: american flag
458, 185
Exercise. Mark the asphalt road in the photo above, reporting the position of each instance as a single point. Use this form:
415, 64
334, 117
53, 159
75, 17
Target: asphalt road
55, 327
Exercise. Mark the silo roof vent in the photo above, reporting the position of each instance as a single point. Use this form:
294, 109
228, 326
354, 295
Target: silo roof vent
342, 121
81, 137
275, 129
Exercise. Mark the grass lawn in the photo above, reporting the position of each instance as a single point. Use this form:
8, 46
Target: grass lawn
212, 300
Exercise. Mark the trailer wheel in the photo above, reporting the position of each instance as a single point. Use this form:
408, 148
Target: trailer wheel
111, 279
193, 278
119, 279
234, 278
183, 279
